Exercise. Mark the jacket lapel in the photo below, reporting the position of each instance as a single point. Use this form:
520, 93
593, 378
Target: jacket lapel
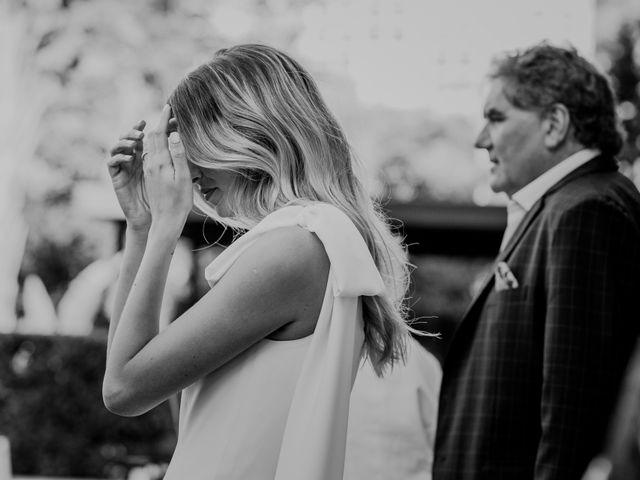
520, 230
487, 284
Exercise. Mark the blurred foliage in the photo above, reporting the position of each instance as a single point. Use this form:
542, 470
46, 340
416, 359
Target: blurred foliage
618, 45
417, 156
109, 63
625, 73
52, 412
441, 290
59, 246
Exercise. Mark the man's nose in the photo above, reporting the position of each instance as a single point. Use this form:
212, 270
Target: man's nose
483, 140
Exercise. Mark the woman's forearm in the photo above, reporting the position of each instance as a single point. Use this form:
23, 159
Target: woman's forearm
139, 318
135, 244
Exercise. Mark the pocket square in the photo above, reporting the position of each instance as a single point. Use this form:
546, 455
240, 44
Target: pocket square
504, 277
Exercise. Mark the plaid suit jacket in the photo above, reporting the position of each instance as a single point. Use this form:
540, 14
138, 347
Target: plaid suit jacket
532, 372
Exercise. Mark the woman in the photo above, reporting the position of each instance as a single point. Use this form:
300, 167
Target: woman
266, 359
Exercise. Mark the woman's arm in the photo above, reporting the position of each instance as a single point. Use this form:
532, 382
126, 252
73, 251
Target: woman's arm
134, 246
278, 281
163, 175
125, 169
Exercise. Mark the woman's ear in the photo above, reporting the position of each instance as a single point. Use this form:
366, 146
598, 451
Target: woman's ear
557, 124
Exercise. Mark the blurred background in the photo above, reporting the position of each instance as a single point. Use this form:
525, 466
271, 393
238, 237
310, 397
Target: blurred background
406, 79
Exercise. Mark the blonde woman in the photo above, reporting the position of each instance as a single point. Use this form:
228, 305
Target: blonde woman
267, 358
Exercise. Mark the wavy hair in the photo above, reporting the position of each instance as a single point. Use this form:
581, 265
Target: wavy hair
254, 111
543, 75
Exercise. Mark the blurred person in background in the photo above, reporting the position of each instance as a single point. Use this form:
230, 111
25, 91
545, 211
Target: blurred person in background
392, 420
534, 367
620, 458
266, 359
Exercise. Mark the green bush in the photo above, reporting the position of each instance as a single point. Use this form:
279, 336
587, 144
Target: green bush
52, 412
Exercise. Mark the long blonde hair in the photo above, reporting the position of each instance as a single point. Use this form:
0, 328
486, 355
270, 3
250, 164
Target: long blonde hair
254, 111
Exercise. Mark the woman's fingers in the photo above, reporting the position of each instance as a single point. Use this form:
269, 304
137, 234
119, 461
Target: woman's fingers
124, 146
163, 121
130, 141
119, 158
116, 161
158, 138
124, 152
132, 135
136, 132
176, 149
155, 142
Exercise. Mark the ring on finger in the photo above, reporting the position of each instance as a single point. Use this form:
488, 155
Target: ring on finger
143, 154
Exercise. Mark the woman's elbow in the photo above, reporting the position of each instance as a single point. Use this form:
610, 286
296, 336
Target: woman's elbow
117, 399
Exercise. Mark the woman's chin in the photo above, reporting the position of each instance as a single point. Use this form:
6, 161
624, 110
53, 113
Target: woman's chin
222, 210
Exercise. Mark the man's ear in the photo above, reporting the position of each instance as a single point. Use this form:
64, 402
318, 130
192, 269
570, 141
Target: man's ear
557, 124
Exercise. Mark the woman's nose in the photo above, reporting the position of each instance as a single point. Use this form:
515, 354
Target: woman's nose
196, 174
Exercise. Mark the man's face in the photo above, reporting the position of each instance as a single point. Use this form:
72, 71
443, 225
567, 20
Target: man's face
514, 139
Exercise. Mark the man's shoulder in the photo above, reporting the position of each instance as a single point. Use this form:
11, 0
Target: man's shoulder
581, 207
610, 187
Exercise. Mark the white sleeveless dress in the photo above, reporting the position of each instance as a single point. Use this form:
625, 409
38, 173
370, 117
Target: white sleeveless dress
279, 411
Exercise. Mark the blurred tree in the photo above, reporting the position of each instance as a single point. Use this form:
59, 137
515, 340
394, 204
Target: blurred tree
106, 64
625, 73
412, 156
398, 180
22, 100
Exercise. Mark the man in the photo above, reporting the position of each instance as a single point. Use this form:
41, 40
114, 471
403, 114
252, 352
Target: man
534, 368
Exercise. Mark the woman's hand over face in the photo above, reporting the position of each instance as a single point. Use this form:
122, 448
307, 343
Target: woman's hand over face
166, 177
125, 169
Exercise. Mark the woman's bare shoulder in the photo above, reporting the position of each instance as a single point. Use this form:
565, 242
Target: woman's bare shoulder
292, 248
293, 261
292, 256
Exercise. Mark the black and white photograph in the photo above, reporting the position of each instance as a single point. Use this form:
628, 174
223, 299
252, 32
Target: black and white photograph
320, 240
